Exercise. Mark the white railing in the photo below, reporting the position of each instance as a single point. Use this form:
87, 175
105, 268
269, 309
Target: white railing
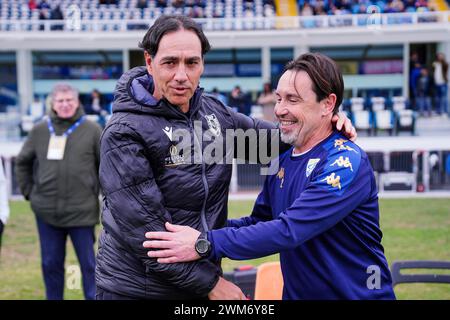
375, 21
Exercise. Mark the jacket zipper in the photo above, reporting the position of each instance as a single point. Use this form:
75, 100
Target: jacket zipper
205, 181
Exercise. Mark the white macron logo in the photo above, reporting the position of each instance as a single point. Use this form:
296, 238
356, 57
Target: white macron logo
168, 132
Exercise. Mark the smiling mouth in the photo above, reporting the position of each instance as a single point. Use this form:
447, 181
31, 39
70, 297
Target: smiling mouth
286, 123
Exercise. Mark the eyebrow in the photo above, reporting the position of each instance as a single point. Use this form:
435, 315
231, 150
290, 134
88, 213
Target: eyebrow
174, 58
290, 95
297, 96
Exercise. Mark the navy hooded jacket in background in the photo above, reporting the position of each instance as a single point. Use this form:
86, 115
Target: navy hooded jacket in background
321, 213
145, 183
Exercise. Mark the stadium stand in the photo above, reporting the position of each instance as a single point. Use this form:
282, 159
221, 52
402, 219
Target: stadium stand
98, 15
318, 7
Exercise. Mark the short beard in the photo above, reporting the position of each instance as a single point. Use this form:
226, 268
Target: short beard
290, 138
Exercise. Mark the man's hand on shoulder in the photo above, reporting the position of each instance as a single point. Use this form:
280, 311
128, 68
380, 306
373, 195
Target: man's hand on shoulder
342, 123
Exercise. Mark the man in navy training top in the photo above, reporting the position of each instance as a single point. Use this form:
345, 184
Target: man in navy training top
320, 212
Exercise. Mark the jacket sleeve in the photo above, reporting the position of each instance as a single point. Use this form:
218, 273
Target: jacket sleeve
137, 206
323, 204
24, 165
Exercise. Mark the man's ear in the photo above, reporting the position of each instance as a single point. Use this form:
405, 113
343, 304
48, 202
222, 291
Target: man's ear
148, 62
329, 104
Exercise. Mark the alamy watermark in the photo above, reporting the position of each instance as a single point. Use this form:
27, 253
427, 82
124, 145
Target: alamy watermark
199, 146
73, 280
374, 280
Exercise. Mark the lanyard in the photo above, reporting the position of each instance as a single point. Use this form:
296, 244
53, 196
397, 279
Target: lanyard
69, 131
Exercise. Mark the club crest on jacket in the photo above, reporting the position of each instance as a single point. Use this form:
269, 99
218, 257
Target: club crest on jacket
213, 124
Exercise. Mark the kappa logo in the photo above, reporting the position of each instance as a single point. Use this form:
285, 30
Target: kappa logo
312, 163
168, 132
341, 146
213, 124
333, 180
343, 162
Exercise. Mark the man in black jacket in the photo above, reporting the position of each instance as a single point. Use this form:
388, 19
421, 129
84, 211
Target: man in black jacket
147, 179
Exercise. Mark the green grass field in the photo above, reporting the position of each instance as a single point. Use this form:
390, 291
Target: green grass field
413, 229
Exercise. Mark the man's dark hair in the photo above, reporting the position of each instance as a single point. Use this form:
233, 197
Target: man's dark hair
170, 23
324, 73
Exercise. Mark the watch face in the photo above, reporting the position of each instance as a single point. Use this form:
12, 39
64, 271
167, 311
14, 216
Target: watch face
202, 246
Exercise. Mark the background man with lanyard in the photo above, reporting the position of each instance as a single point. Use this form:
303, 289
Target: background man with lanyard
57, 171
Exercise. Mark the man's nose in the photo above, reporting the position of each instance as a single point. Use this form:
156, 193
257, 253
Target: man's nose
280, 109
180, 74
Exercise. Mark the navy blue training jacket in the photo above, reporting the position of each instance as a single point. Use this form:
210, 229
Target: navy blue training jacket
321, 213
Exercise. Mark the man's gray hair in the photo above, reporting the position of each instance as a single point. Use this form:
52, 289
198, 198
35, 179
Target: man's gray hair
63, 87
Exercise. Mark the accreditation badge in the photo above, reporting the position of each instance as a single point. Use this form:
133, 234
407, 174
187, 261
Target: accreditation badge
56, 147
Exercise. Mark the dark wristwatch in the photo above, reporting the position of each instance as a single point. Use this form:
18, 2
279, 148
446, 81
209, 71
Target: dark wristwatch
202, 245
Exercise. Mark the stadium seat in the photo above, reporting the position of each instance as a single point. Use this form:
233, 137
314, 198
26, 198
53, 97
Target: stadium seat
398, 103
378, 103
269, 282
398, 277
406, 121
356, 104
405, 118
384, 120
363, 121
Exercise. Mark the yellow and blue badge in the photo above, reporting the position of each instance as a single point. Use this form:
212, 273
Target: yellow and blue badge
312, 163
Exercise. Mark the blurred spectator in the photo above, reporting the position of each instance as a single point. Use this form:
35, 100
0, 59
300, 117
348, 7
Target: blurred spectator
215, 92
339, 7
32, 4
413, 77
43, 5
114, 2
238, 100
194, 3
267, 99
421, 3
4, 206
142, 4
423, 90
440, 72
56, 14
44, 14
161, 3
96, 104
57, 171
307, 10
177, 4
